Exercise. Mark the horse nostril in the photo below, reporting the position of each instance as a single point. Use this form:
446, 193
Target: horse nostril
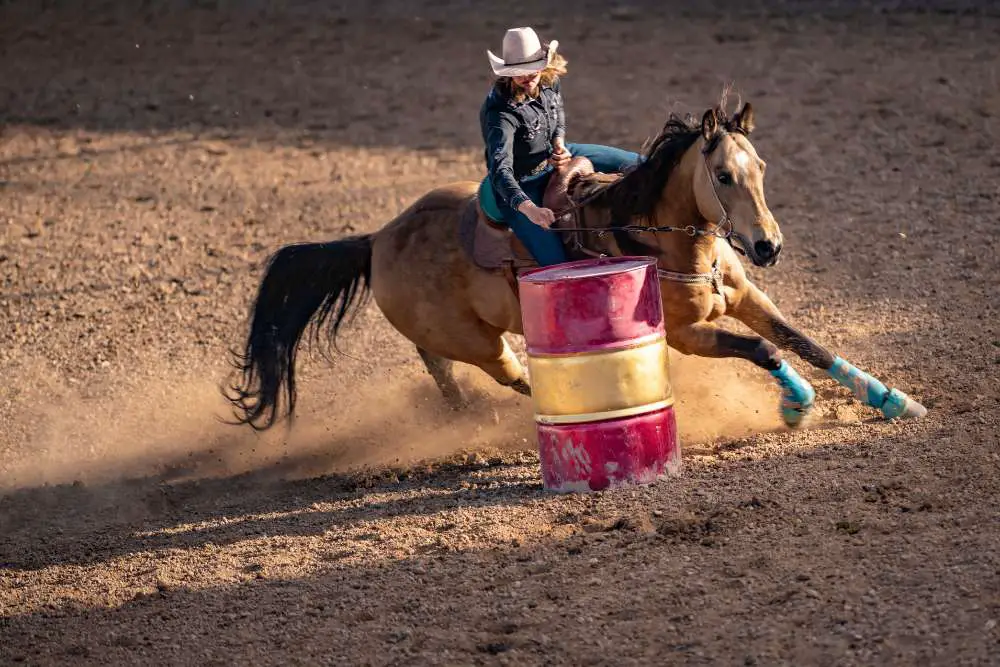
765, 249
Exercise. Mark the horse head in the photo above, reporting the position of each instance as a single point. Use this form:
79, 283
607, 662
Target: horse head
705, 179
729, 187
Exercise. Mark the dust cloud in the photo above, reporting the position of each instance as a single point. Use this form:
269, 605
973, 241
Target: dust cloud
718, 399
169, 425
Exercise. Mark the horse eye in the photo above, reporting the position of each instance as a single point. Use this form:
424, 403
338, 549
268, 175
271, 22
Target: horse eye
725, 178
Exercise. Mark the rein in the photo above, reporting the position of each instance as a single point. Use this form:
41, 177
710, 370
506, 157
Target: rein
725, 224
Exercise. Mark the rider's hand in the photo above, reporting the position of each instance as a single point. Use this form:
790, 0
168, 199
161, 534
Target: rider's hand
543, 217
560, 155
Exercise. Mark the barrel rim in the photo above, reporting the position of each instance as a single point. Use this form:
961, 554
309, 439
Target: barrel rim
606, 415
530, 276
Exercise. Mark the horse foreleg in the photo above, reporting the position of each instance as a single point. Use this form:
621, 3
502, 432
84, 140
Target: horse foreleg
757, 311
706, 339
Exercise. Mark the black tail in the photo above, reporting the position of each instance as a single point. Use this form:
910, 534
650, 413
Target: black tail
303, 282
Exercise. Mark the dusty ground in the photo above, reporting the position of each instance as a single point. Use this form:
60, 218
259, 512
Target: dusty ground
150, 160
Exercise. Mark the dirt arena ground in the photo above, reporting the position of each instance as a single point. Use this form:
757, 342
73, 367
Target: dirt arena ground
152, 155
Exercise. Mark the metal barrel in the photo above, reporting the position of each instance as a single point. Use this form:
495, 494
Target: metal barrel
597, 356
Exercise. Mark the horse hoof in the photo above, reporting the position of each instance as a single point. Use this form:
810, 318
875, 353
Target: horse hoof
793, 417
898, 405
794, 413
521, 387
797, 396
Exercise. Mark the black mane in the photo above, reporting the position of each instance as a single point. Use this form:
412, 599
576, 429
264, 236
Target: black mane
639, 190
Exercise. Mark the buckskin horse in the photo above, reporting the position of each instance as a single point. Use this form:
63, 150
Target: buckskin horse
694, 201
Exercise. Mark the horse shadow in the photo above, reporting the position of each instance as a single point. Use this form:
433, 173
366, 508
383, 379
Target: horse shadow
191, 501
152, 515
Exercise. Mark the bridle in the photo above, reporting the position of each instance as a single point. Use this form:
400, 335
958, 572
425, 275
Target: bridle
723, 229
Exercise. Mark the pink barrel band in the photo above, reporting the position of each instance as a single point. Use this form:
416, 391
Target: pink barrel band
590, 305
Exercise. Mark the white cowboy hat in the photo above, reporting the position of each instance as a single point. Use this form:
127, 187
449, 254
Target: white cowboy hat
523, 53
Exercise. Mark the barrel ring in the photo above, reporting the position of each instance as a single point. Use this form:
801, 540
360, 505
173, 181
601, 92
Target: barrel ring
607, 415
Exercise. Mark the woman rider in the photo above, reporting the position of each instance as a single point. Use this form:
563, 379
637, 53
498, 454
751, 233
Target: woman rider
524, 128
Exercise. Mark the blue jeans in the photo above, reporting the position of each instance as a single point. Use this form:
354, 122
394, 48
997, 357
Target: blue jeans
543, 244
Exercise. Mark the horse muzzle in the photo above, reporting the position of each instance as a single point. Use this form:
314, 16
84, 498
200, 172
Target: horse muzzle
765, 253
762, 253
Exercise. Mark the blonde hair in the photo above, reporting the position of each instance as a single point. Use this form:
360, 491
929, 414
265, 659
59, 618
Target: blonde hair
549, 75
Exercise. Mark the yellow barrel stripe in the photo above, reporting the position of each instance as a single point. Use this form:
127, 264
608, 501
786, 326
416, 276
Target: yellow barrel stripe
603, 382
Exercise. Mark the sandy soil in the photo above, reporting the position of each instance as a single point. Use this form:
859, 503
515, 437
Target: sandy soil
151, 159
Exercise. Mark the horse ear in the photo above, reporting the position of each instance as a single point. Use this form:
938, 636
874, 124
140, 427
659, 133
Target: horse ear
744, 119
709, 124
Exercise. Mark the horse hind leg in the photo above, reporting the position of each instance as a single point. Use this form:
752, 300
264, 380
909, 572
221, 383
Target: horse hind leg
491, 354
441, 370
506, 368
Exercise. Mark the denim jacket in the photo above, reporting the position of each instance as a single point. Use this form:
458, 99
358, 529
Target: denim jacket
519, 138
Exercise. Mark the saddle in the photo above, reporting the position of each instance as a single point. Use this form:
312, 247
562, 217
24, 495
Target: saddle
492, 246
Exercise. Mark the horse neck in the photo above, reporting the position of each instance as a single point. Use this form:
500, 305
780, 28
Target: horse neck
678, 207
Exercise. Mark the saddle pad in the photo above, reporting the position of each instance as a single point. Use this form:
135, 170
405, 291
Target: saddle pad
488, 248
488, 202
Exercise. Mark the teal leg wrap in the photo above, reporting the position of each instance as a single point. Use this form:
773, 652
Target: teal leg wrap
797, 396
892, 402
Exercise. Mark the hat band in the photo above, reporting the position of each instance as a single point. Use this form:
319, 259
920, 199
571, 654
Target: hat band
525, 62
